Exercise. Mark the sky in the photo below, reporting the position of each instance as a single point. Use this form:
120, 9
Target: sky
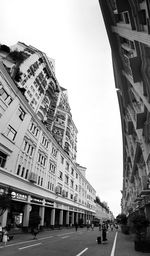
73, 33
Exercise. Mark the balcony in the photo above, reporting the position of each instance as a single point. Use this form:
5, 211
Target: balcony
146, 132
33, 177
132, 67
140, 116
129, 126
122, 6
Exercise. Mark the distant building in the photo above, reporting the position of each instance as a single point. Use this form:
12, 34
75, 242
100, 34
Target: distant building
38, 144
128, 27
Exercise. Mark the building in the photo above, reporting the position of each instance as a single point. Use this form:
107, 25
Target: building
38, 144
128, 28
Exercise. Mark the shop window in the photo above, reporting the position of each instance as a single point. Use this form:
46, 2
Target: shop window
3, 158
11, 133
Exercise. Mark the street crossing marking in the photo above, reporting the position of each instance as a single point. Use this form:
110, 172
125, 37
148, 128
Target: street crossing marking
114, 245
64, 237
29, 246
66, 234
82, 252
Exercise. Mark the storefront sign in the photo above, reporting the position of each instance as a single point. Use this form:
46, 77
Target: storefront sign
49, 203
19, 196
58, 205
36, 200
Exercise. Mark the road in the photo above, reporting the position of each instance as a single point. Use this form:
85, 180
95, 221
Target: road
61, 243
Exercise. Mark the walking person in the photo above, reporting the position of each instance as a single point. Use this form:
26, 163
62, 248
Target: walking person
104, 231
4, 236
0, 232
34, 232
76, 226
92, 226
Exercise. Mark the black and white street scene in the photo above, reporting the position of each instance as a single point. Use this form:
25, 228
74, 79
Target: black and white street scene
75, 128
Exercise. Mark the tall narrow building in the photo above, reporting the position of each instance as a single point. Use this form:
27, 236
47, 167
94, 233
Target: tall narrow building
128, 28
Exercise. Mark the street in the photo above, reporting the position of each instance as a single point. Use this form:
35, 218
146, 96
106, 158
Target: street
62, 242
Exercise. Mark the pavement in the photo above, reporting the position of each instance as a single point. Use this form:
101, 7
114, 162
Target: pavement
124, 245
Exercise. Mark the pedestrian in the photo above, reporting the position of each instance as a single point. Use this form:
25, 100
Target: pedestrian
100, 226
104, 231
34, 232
92, 226
76, 226
4, 236
0, 232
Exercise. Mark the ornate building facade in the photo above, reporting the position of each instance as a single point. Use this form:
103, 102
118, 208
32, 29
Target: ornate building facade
128, 28
38, 144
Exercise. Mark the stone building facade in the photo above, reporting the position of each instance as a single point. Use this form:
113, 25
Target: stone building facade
38, 144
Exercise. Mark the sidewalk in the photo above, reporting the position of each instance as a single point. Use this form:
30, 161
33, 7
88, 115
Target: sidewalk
125, 246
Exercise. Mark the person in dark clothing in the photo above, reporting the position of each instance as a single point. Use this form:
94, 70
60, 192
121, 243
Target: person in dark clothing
76, 226
104, 231
34, 232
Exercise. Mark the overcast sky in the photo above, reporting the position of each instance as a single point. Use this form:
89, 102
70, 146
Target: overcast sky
73, 33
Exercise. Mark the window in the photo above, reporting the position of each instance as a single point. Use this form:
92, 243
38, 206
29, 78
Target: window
66, 179
62, 159
42, 159
71, 183
72, 171
67, 166
3, 158
10, 133
22, 174
126, 17
3, 94
60, 175
54, 151
26, 176
76, 175
52, 167
71, 196
34, 130
21, 113
18, 170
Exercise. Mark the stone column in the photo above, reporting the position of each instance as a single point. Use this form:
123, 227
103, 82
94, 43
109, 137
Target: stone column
72, 218
26, 214
41, 213
77, 221
61, 218
53, 217
4, 218
67, 218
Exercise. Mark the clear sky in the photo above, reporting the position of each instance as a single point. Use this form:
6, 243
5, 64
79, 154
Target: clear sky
73, 33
